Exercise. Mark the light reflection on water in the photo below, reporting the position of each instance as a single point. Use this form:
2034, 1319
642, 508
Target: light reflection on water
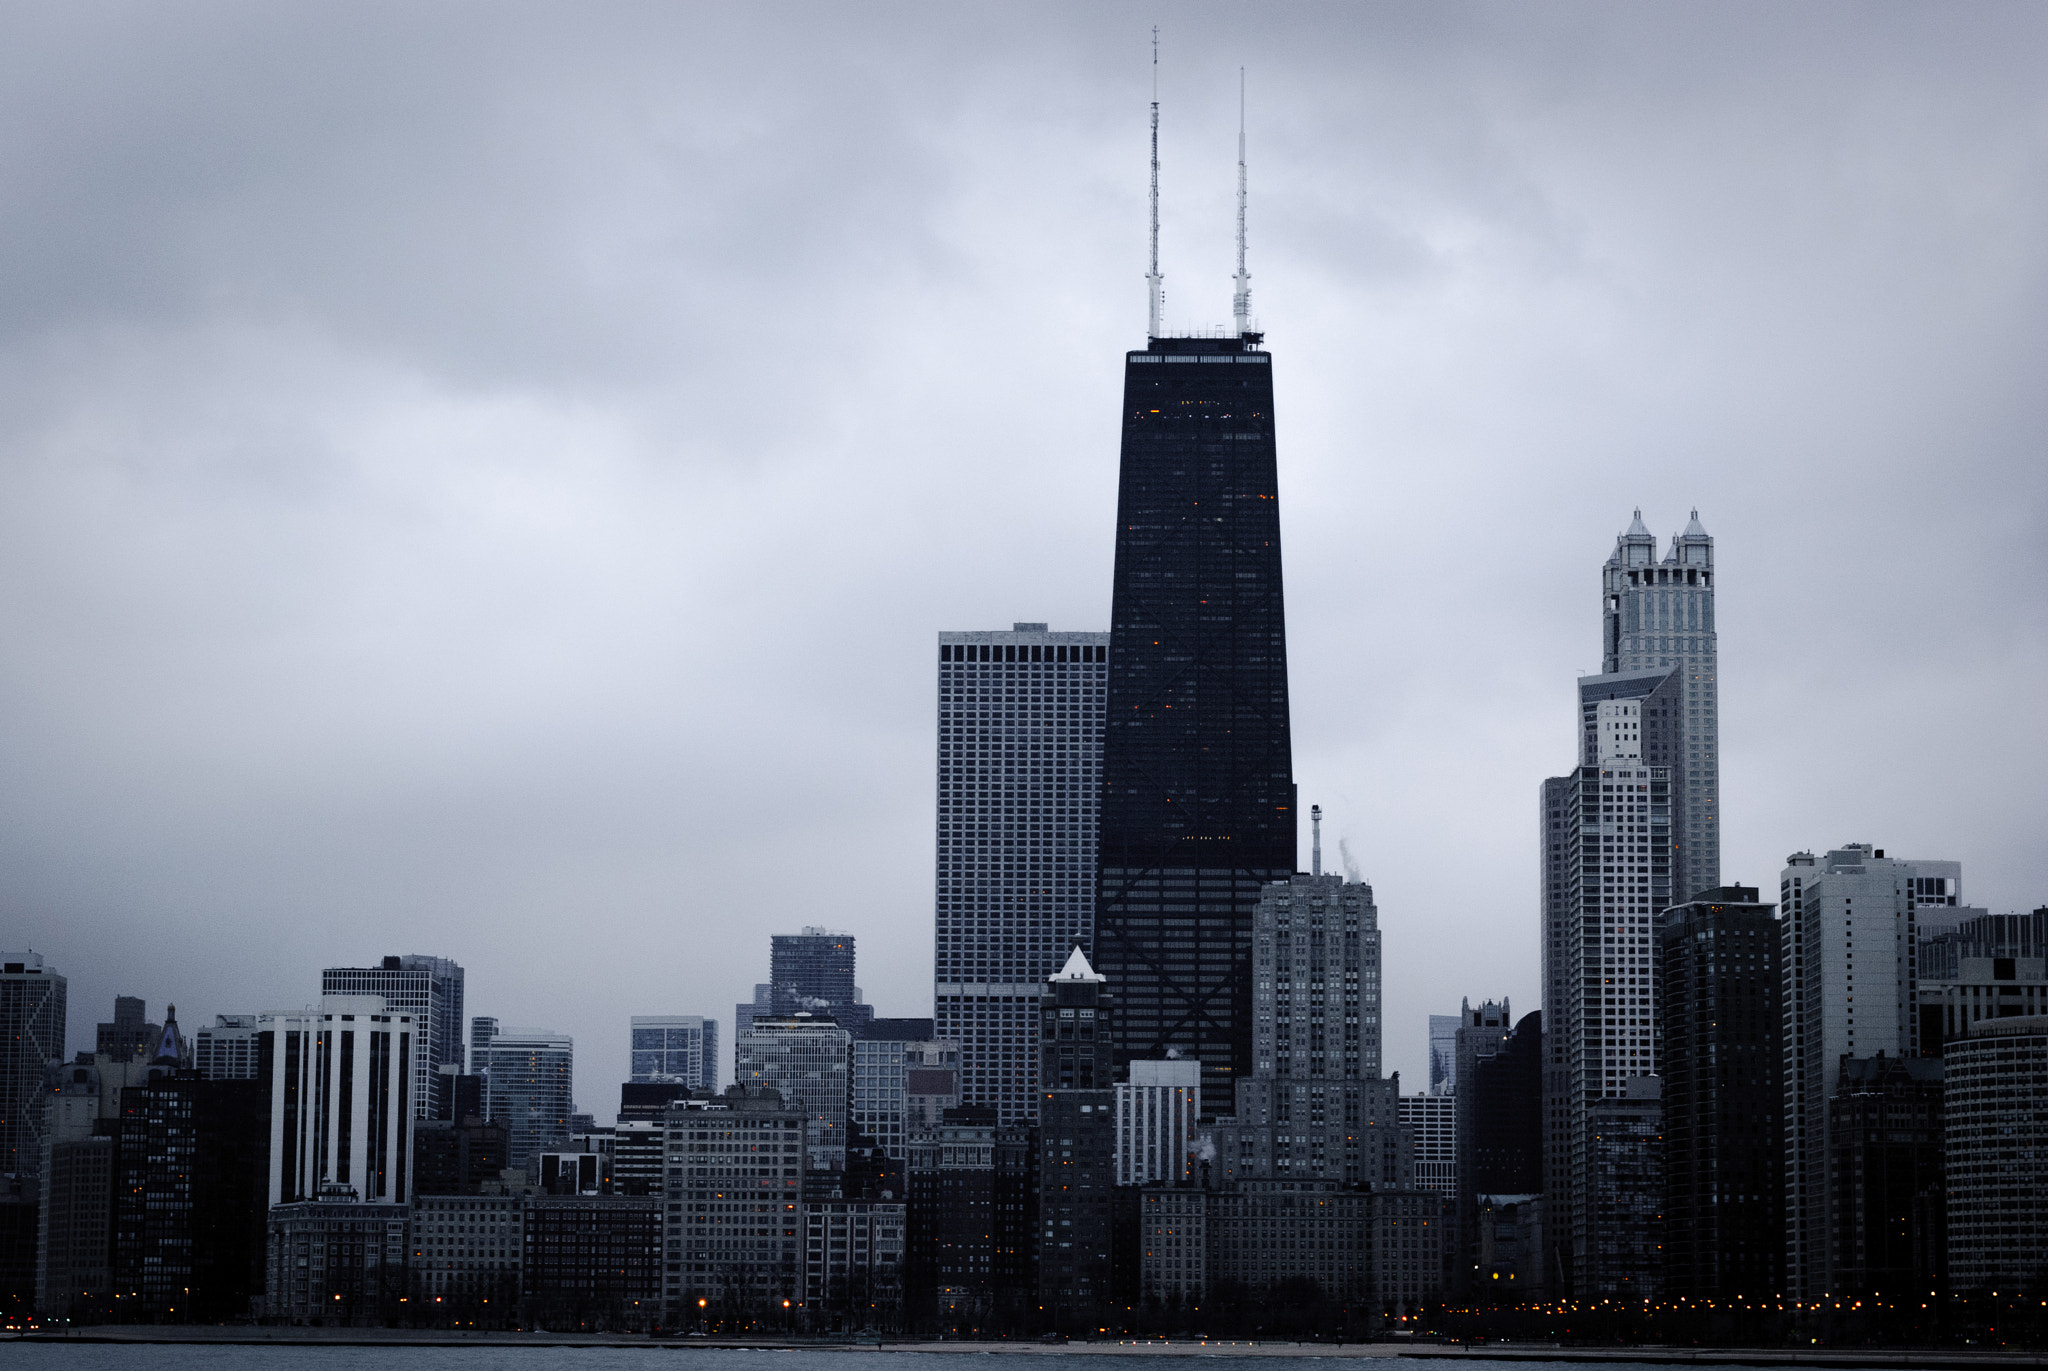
214, 1357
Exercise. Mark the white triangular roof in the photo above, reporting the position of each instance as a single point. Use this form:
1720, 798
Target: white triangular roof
1636, 529
1693, 529
1077, 969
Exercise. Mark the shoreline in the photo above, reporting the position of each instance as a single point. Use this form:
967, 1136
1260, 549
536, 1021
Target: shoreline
1876, 1359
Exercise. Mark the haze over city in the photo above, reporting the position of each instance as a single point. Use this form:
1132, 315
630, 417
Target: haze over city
488, 483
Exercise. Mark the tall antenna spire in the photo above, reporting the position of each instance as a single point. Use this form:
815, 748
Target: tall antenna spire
1155, 284
1241, 303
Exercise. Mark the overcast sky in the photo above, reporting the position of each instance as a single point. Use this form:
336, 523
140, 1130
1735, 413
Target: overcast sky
486, 480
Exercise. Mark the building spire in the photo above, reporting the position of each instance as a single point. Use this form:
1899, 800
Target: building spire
1155, 284
1315, 821
1241, 302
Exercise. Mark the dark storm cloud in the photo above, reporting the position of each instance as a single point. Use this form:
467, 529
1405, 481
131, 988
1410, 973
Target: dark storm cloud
484, 481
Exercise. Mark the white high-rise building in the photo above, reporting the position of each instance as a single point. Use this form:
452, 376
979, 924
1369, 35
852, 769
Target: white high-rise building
807, 1060
1020, 769
341, 1107
1431, 1122
1612, 851
429, 989
1851, 922
228, 1050
1659, 616
677, 1048
1156, 1110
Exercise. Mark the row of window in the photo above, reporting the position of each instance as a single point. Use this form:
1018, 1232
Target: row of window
1023, 652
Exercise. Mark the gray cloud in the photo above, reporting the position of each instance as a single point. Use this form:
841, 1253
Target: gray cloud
485, 480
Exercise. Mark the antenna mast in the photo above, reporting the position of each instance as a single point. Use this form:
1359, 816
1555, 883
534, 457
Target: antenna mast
1315, 819
1241, 303
1155, 284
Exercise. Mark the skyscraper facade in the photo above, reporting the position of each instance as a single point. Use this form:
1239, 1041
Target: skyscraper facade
806, 1060
429, 990
1020, 766
680, 1048
1724, 1199
1198, 802
341, 1110
1443, 1053
1611, 848
1996, 1105
1659, 616
32, 1010
1850, 925
812, 972
529, 1085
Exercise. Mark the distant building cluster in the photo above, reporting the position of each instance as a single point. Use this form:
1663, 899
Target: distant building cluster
1151, 1091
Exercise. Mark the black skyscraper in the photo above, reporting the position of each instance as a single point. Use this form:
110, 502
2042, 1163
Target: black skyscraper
1197, 770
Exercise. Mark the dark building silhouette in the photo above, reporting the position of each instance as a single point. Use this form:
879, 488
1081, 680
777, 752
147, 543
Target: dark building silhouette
1500, 1141
1077, 1205
1077, 1029
458, 1094
649, 1100
130, 1034
1724, 1198
951, 1260
465, 1157
592, 1260
1888, 1207
1198, 803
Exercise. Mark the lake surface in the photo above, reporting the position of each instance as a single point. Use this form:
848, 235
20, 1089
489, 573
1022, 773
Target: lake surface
213, 1357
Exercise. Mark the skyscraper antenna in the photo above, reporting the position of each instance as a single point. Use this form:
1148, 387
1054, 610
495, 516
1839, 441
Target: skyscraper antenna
1155, 284
1241, 303
1315, 819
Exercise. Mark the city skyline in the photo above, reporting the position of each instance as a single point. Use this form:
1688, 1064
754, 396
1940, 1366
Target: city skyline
489, 625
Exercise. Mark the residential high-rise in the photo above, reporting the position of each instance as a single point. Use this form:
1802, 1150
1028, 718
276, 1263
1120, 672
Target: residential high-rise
1659, 616
812, 972
1724, 1200
1850, 928
529, 1086
1500, 1126
679, 1048
1888, 1206
32, 1009
74, 1238
1020, 771
230, 1050
1611, 847
429, 990
731, 1187
901, 1078
805, 1059
341, 1110
1995, 1113
1156, 1110
1315, 1105
1198, 802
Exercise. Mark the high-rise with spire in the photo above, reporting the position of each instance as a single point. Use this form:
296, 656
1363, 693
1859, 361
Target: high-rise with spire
1198, 805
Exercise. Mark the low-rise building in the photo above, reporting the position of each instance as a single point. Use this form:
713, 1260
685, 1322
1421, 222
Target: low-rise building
466, 1254
593, 1261
335, 1260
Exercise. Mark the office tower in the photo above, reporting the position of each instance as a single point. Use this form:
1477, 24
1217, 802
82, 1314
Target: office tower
1659, 616
1849, 910
1315, 1104
1611, 841
812, 973
429, 991
901, 1078
340, 1102
682, 1048
459, 1095
187, 1219
130, 1034
804, 1059
75, 1203
228, 1051
1431, 1123
1156, 1110
1500, 1149
1724, 1202
481, 1031
529, 1086
1198, 805
1020, 773
1889, 1192
1996, 1105
1443, 1053
466, 1255
32, 1009
731, 1189
1482, 1032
